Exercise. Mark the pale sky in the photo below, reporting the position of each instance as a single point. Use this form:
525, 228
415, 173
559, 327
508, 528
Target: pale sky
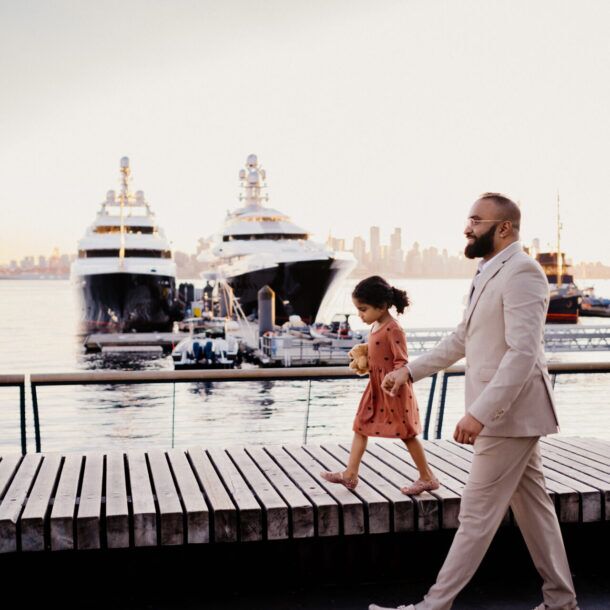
389, 113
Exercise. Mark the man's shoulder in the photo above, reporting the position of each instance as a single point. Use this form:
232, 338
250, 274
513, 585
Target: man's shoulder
523, 262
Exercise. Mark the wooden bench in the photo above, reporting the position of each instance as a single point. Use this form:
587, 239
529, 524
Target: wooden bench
259, 493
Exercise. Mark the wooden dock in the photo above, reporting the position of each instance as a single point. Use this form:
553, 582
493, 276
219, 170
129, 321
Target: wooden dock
259, 493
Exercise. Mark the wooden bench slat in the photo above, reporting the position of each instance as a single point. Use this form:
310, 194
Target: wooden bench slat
36, 509
171, 516
377, 512
326, 508
222, 509
64, 505
351, 506
581, 463
197, 515
568, 499
301, 509
403, 509
250, 514
142, 500
89, 513
8, 468
117, 506
592, 450
276, 510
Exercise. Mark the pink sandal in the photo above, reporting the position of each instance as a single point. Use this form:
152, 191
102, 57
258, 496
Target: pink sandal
337, 477
420, 486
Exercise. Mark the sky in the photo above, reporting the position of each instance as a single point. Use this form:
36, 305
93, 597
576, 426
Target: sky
396, 113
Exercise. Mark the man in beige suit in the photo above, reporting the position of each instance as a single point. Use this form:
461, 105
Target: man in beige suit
509, 405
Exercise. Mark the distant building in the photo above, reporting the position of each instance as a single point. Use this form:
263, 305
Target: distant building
375, 246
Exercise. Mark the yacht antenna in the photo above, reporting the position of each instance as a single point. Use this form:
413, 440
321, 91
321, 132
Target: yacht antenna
124, 199
559, 256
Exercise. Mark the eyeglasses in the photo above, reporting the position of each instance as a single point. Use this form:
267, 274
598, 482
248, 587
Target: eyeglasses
473, 222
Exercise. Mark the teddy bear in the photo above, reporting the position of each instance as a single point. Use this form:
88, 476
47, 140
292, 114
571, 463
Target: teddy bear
359, 356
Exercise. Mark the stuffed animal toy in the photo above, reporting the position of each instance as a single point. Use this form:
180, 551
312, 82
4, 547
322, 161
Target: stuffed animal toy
359, 356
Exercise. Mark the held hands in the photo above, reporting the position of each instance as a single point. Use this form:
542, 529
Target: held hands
467, 430
392, 381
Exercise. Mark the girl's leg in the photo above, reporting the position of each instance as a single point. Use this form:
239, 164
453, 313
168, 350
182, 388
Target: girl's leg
355, 456
416, 449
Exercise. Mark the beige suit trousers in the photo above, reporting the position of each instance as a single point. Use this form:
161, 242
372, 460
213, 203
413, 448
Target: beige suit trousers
505, 472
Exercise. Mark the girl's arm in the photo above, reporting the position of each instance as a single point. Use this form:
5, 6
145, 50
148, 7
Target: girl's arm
398, 345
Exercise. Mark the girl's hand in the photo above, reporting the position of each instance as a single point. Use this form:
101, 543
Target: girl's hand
393, 381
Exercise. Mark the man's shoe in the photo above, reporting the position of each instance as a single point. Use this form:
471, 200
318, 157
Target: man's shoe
376, 607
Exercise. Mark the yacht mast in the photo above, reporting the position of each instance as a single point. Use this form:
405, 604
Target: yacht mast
124, 199
559, 256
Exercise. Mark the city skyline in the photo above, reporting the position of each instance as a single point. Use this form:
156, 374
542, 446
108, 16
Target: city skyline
398, 114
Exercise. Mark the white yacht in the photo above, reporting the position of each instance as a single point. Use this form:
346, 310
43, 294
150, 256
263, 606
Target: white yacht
124, 268
261, 246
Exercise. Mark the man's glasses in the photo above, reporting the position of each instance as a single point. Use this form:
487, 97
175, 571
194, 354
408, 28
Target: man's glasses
473, 222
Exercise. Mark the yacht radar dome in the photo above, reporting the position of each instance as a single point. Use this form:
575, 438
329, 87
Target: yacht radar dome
252, 161
124, 162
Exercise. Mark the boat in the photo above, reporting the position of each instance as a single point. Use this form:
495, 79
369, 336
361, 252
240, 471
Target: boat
565, 296
594, 306
259, 246
124, 272
200, 351
338, 333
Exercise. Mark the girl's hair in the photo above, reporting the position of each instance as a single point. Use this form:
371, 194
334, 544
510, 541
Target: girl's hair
377, 292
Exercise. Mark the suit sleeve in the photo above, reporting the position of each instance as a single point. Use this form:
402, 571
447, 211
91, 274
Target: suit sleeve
447, 352
525, 299
398, 347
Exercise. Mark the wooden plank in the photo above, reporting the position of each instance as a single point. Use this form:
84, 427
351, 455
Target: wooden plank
568, 499
326, 508
377, 507
586, 448
351, 507
89, 512
402, 514
36, 509
197, 514
117, 507
64, 504
447, 499
580, 463
301, 509
249, 514
171, 516
223, 512
8, 468
274, 507
142, 500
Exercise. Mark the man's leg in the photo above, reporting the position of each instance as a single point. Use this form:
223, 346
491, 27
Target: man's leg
536, 517
497, 467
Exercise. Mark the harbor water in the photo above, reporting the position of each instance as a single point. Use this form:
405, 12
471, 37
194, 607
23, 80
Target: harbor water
39, 334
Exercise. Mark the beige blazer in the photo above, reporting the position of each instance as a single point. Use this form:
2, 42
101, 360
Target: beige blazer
508, 388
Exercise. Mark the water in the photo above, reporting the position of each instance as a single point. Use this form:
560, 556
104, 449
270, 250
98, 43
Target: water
38, 334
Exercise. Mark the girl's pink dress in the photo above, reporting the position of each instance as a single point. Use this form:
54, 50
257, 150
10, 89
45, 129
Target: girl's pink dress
380, 414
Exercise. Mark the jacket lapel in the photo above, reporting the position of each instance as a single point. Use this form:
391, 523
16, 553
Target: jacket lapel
490, 271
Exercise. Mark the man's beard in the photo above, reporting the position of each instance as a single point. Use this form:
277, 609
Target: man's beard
482, 245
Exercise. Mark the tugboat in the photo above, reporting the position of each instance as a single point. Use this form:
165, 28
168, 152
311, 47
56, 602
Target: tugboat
261, 246
565, 297
124, 270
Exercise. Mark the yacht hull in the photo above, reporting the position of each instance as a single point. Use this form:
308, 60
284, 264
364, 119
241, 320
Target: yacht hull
299, 287
127, 302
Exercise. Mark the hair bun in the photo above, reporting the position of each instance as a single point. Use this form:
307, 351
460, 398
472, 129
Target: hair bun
400, 300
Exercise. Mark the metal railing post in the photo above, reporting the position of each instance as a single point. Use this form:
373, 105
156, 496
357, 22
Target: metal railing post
429, 408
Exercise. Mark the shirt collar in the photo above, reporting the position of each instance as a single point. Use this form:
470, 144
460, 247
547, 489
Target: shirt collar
483, 263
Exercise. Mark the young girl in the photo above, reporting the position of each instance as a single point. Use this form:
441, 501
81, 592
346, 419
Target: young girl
379, 414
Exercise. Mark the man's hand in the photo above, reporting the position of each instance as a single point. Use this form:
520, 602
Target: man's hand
467, 429
392, 381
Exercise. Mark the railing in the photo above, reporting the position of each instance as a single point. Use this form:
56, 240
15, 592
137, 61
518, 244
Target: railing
18, 381
224, 375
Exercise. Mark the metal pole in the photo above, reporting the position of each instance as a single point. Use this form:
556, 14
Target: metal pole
307, 412
441, 407
429, 409
22, 415
36, 418
174, 415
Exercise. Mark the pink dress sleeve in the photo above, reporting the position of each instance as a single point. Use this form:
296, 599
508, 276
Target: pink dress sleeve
398, 346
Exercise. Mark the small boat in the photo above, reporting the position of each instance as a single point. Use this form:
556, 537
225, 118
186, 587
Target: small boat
338, 333
204, 352
593, 305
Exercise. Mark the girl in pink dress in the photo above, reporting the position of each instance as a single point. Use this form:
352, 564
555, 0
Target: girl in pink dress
379, 414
